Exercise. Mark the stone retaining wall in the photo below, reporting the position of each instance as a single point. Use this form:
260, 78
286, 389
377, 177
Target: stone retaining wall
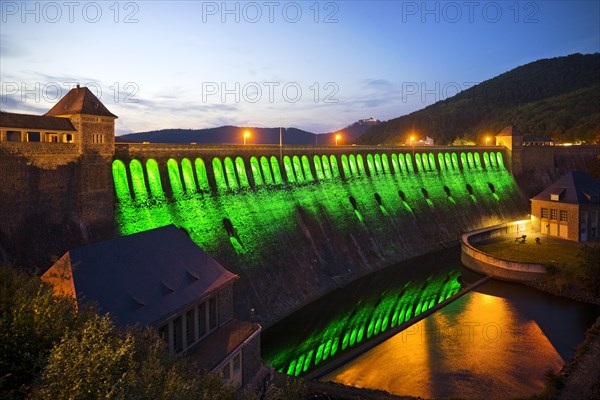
496, 267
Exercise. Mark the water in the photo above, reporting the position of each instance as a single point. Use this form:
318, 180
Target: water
496, 342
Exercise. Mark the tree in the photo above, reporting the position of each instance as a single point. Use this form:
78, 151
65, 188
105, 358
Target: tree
102, 362
50, 349
589, 268
32, 320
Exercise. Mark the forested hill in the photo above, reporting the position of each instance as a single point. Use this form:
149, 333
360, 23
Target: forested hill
556, 97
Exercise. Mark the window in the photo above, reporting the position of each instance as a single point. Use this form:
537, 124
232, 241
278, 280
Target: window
33, 136
13, 136
212, 313
97, 138
544, 213
68, 138
202, 329
553, 214
225, 372
163, 333
190, 327
237, 363
563, 215
178, 334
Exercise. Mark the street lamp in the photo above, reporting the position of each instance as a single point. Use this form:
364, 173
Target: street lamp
487, 140
412, 139
246, 135
337, 138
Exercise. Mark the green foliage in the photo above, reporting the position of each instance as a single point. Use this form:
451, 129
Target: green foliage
32, 319
292, 389
555, 97
101, 362
585, 274
51, 350
589, 268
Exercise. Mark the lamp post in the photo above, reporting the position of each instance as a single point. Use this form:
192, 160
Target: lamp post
487, 141
246, 135
337, 138
412, 140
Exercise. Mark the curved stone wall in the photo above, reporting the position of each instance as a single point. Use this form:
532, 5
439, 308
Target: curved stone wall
499, 268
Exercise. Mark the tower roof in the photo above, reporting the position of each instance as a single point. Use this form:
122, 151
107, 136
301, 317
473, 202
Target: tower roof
576, 187
80, 100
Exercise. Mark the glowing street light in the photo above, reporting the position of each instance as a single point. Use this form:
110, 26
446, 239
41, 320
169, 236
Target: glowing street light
246, 135
487, 141
412, 140
337, 138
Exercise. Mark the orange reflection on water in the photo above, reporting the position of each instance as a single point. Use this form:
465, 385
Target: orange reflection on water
477, 347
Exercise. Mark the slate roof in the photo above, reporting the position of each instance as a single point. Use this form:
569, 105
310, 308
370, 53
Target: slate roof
80, 100
28, 121
140, 278
576, 187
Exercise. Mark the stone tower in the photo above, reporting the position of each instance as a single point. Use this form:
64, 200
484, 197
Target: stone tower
95, 140
513, 141
94, 123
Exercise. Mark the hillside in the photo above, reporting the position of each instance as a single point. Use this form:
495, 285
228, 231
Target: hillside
234, 135
557, 97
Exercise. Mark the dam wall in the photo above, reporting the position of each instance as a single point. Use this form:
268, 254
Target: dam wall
52, 199
297, 222
294, 222
544, 165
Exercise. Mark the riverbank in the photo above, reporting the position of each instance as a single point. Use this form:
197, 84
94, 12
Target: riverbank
581, 376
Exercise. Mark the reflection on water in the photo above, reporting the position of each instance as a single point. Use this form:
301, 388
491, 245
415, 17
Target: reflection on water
366, 308
494, 343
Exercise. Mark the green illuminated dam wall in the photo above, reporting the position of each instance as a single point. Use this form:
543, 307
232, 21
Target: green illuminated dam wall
295, 223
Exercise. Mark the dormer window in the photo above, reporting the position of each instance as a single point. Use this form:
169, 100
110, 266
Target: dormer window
556, 194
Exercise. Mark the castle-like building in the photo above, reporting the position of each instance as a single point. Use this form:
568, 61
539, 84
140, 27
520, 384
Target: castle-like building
57, 176
79, 119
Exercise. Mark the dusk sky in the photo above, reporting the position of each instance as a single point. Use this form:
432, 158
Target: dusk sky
317, 66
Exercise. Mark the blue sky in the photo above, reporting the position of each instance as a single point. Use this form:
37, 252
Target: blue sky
313, 65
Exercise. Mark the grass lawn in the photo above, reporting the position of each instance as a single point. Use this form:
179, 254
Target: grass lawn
548, 251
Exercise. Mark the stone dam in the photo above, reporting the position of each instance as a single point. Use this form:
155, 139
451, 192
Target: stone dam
298, 222
295, 222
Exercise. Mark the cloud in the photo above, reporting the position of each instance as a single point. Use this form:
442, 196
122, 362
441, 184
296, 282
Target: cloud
376, 83
8, 49
15, 103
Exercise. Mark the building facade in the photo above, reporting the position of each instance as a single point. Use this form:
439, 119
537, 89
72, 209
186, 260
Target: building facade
79, 118
161, 278
569, 208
